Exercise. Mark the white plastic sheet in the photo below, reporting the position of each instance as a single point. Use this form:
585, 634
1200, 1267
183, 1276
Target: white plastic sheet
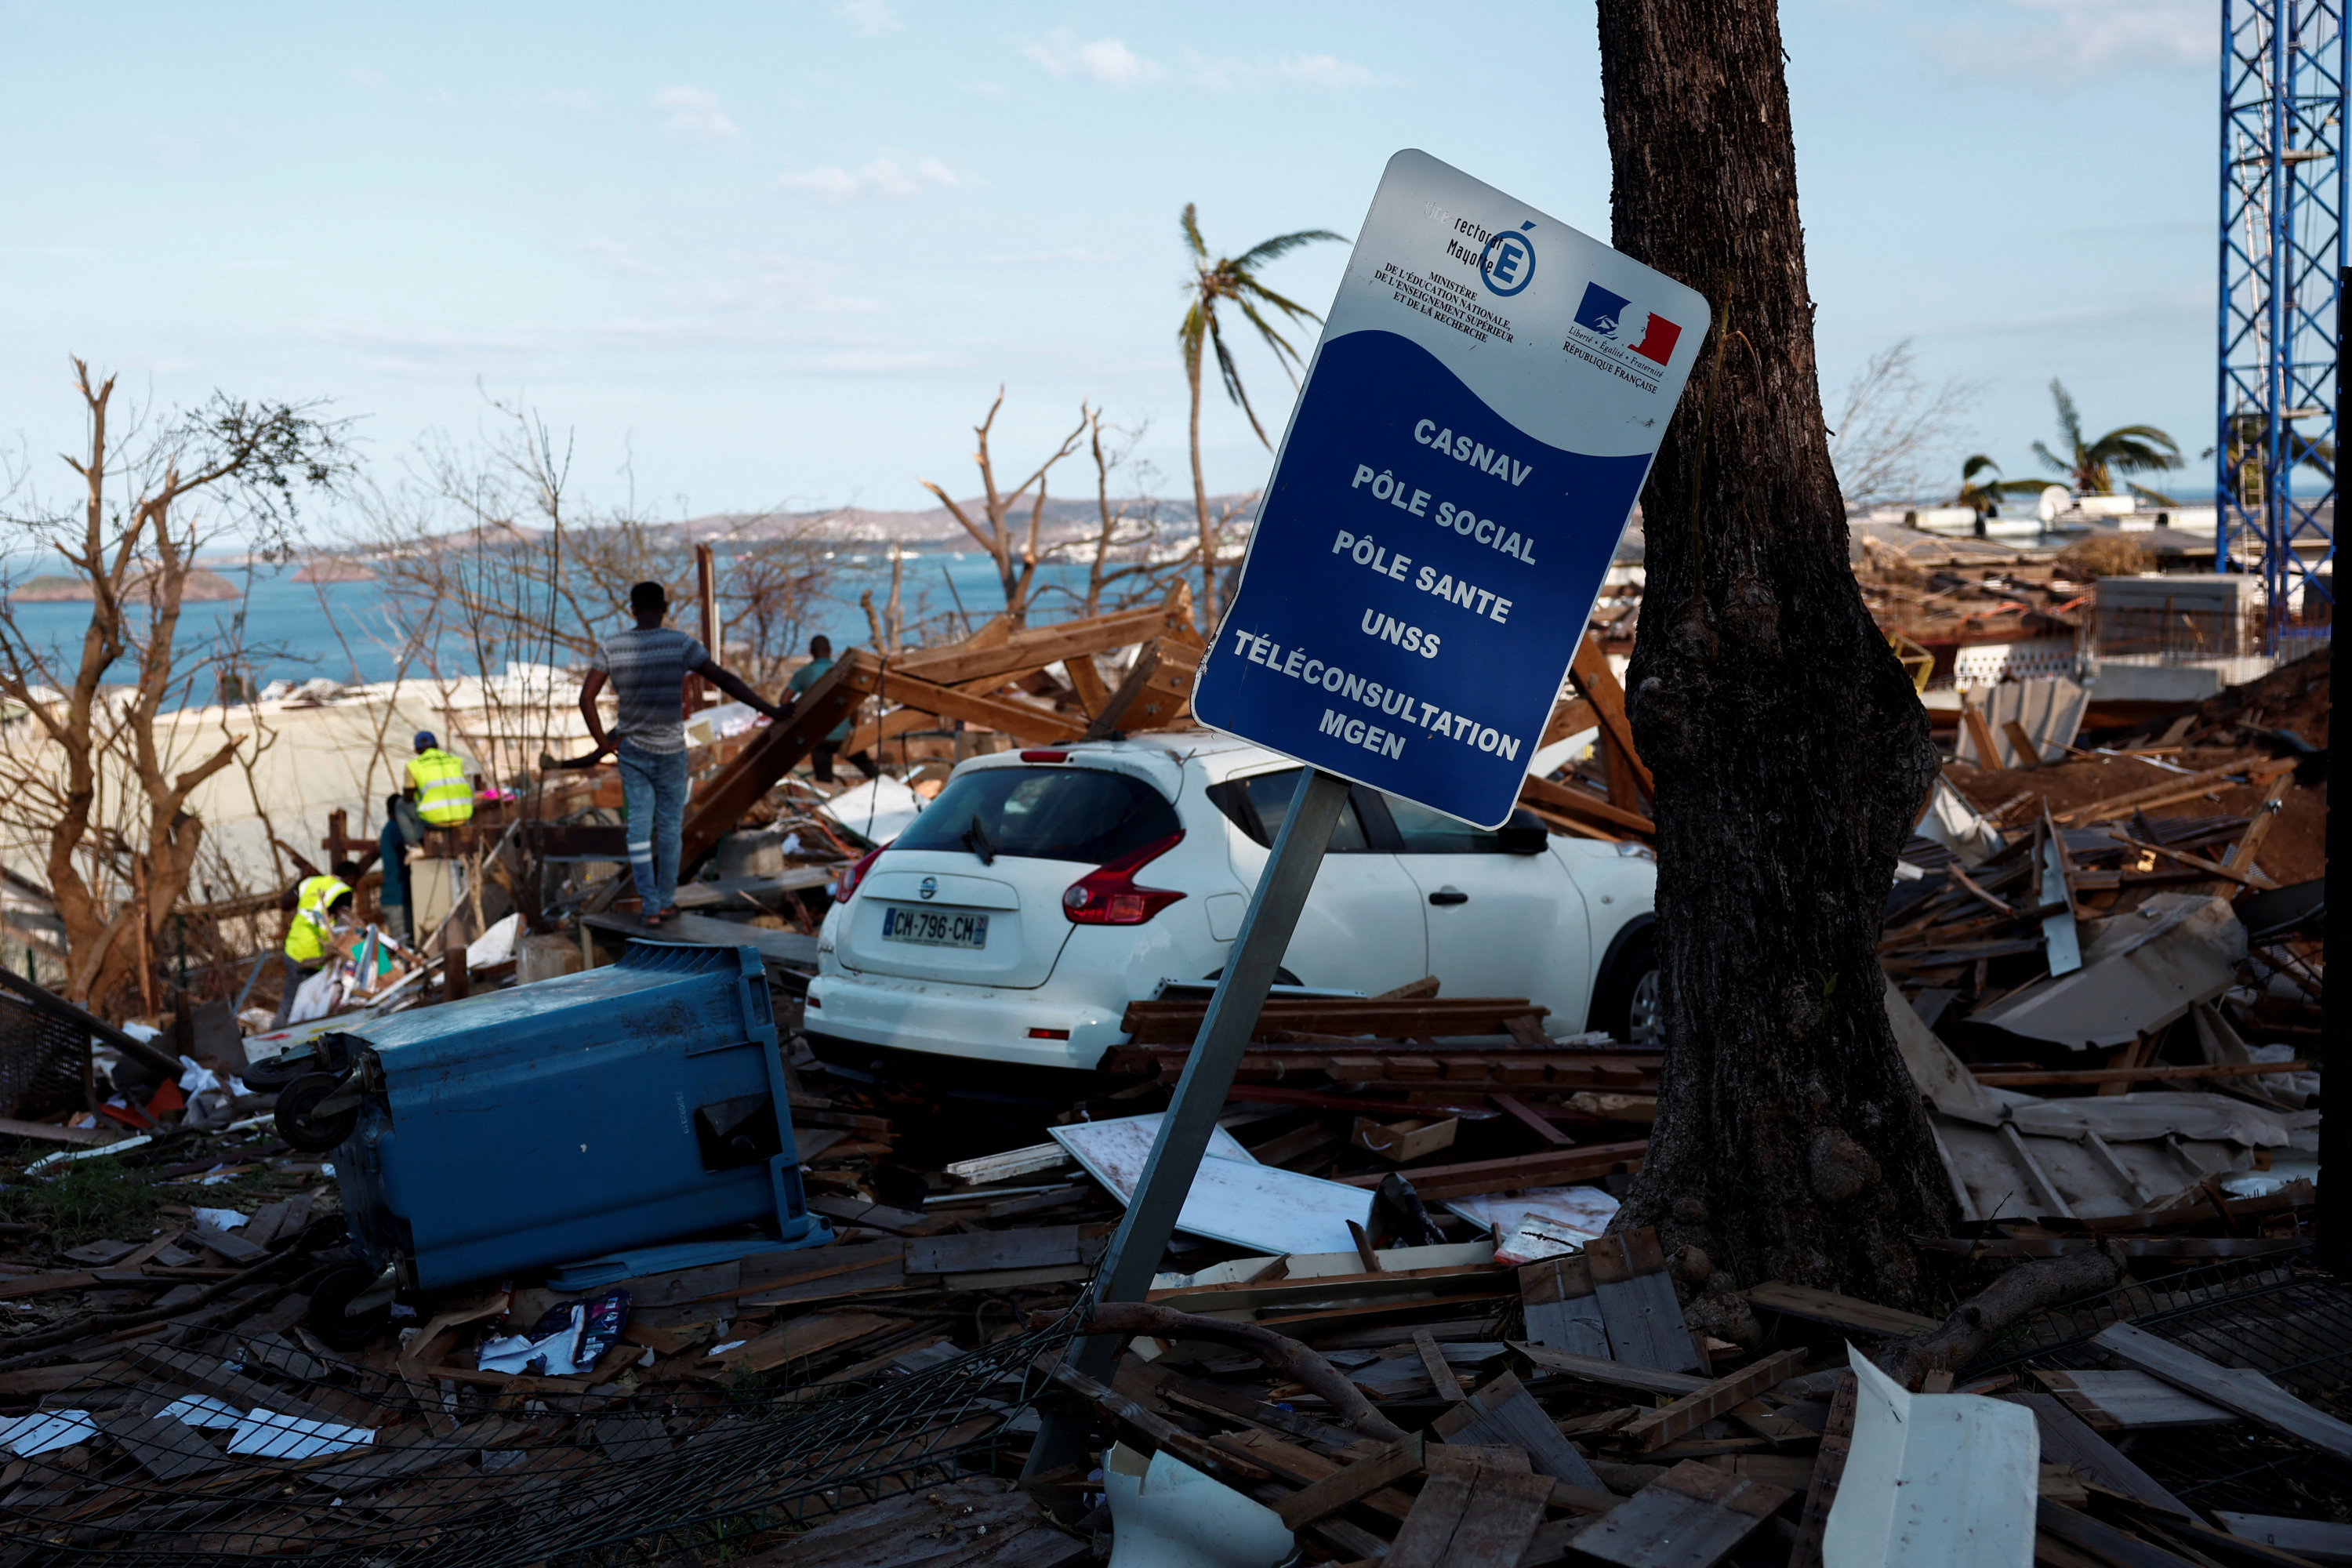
1934, 1480
266, 1435
46, 1431
878, 810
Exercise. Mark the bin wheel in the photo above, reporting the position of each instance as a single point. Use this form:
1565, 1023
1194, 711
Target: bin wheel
313, 1135
326, 1318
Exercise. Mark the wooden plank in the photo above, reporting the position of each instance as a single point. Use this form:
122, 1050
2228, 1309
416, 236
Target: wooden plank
1691, 1517
1351, 1483
2248, 1394
1024, 720
1829, 1470
879, 1217
1615, 1375
2321, 1541
1838, 1311
1988, 749
1504, 1512
1697, 1408
2169, 789
798, 1340
163, 1445
47, 1284
2027, 1079
1041, 645
2066, 1440
2129, 1401
1510, 1106
2101, 1542
719, 801
206, 1374
1503, 1413
1590, 672
1562, 1313
1470, 1516
1567, 800
1637, 1302
2026, 754
1551, 1168
1432, 1361
49, 1133
1041, 1247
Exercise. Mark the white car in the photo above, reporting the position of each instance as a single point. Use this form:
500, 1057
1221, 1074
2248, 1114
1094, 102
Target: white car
1046, 888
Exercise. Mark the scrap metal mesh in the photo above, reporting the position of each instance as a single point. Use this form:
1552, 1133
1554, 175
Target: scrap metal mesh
40, 1059
2288, 1323
521, 1478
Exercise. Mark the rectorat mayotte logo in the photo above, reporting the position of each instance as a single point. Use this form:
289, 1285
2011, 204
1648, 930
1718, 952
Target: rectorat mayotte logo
1613, 317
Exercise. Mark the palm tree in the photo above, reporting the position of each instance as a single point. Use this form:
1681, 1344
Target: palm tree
1985, 496
1235, 279
2093, 465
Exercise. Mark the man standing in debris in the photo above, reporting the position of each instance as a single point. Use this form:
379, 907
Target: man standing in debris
824, 751
320, 903
437, 783
648, 665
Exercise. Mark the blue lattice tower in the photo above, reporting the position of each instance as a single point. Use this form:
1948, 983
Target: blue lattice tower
2284, 73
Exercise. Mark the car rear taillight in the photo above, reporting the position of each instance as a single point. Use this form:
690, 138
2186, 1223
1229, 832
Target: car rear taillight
847, 889
1108, 896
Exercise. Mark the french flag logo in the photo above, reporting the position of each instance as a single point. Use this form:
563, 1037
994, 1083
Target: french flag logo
1613, 316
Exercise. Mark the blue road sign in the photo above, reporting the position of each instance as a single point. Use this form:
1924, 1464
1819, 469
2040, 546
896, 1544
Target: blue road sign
1490, 389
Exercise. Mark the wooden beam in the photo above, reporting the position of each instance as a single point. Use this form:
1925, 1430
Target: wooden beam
2167, 791
1598, 682
1696, 1409
1048, 645
1546, 795
719, 804
2134, 1074
1020, 720
1570, 716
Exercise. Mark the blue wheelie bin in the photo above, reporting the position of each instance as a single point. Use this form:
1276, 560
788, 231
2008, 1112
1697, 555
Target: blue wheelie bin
622, 1122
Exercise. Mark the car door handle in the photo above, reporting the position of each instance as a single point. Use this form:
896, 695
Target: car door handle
1449, 896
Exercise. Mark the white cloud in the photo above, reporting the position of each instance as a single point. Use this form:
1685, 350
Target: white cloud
364, 77
2063, 42
695, 116
1327, 72
871, 17
1106, 60
882, 177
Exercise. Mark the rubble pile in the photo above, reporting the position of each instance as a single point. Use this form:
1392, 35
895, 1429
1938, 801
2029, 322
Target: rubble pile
1396, 1323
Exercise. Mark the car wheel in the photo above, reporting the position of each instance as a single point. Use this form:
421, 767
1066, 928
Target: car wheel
1627, 1004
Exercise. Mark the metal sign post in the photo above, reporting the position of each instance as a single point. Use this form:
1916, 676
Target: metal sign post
1136, 1245
1485, 403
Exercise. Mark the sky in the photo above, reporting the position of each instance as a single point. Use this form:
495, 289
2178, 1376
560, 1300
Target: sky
783, 253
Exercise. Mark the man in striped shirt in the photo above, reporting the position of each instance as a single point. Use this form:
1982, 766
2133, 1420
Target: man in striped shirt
647, 666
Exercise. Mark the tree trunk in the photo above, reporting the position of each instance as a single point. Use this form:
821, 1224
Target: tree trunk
1790, 753
1200, 514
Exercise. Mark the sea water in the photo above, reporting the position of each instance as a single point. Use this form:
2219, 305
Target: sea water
348, 633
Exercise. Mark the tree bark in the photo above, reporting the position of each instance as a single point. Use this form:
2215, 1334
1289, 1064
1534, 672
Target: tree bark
1790, 750
2017, 1295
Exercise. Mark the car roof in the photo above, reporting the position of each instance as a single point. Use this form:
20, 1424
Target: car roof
1158, 757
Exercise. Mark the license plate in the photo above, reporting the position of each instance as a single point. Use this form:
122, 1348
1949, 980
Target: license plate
934, 928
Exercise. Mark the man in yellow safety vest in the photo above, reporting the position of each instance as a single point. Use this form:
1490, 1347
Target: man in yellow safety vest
318, 902
437, 783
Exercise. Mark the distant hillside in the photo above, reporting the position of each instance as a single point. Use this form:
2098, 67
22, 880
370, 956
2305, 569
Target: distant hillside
1075, 518
201, 587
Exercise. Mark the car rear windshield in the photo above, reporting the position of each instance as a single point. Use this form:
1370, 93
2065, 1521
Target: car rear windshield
1044, 813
